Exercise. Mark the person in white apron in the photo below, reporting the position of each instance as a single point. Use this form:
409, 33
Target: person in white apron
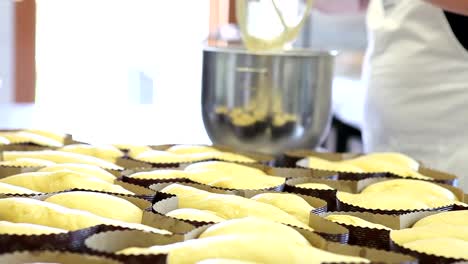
416, 72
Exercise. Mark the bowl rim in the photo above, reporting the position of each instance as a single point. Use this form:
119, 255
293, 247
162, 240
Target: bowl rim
299, 52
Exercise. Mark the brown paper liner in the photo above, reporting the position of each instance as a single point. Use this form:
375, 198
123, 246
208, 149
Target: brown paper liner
368, 237
130, 163
139, 191
423, 257
240, 192
20, 257
290, 158
379, 238
165, 203
374, 255
109, 242
154, 182
345, 207
149, 218
106, 243
327, 195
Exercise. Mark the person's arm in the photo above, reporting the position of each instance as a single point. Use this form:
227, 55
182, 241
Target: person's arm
455, 6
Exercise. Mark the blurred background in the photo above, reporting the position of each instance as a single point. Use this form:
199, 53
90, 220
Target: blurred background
129, 71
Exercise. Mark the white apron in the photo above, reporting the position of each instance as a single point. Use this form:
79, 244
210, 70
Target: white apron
416, 72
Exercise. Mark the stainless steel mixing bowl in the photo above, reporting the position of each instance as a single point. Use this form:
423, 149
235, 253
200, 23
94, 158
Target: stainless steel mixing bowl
269, 101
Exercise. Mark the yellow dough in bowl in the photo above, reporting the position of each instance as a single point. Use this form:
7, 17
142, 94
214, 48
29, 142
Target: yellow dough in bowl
61, 157
159, 175
61, 181
13, 189
290, 203
314, 186
354, 221
26, 210
455, 218
254, 225
27, 162
9, 228
195, 215
105, 152
101, 204
230, 206
87, 169
322, 164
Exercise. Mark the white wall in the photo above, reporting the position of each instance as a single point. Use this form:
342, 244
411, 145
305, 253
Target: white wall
6, 51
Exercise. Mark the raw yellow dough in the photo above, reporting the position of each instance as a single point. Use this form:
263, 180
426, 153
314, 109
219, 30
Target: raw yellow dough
379, 164
266, 248
315, 186
61, 181
455, 218
225, 261
60, 137
61, 157
394, 158
257, 44
159, 156
427, 192
160, 175
243, 119
404, 236
195, 215
445, 247
133, 150
190, 149
105, 152
189, 153
101, 204
354, 221
27, 162
384, 201
4, 141
13, 189
255, 226
395, 163
9, 228
218, 174
437, 239
230, 206
26, 210
20, 137
231, 175
290, 203
322, 164
87, 169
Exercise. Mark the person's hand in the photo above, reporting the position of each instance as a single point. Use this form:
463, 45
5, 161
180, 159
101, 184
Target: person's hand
341, 6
